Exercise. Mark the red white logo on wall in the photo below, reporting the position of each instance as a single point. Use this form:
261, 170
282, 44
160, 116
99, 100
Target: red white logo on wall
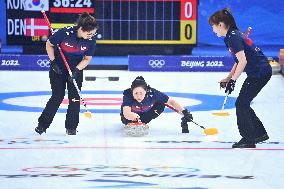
36, 27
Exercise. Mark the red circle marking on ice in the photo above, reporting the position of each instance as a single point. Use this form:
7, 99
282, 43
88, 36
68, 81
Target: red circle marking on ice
118, 101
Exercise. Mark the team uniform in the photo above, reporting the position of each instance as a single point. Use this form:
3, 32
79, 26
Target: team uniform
150, 108
74, 49
258, 72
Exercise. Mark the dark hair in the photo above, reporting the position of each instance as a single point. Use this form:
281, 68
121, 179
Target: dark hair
87, 22
139, 82
225, 16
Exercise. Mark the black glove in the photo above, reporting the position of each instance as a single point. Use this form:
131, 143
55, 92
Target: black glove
55, 67
230, 86
187, 116
75, 75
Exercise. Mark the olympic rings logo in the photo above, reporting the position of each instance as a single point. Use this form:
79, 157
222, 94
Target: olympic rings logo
157, 63
43, 63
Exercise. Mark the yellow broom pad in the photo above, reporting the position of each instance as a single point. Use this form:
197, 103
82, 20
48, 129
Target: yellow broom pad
221, 113
211, 131
88, 114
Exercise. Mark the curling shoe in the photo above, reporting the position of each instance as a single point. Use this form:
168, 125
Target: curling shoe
40, 129
184, 127
184, 130
243, 143
71, 131
261, 138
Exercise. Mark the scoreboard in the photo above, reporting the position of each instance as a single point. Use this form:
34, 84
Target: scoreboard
121, 22
26, 25
147, 21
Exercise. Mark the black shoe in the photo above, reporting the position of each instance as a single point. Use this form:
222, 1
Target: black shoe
261, 138
243, 143
185, 131
71, 131
184, 127
40, 130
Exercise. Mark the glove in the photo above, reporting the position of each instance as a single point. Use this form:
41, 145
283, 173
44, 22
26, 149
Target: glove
55, 67
230, 86
75, 75
187, 116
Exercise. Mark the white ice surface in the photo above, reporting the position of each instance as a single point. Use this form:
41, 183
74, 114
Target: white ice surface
100, 156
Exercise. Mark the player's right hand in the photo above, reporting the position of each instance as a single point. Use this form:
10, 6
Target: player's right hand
135, 117
223, 83
55, 67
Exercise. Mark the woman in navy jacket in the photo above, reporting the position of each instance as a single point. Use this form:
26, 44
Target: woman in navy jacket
249, 58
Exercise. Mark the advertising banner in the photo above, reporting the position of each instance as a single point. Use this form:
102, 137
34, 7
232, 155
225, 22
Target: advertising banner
24, 62
180, 63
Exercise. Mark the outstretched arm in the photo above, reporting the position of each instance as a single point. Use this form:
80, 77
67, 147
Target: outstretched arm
187, 116
128, 114
176, 105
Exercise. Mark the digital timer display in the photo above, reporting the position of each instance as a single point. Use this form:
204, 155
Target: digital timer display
157, 22
72, 6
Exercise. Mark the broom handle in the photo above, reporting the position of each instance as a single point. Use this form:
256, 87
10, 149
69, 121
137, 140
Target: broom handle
172, 108
225, 101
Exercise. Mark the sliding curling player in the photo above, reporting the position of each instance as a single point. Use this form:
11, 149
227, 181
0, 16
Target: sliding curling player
142, 103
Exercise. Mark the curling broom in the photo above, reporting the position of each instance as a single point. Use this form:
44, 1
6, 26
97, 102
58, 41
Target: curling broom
207, 131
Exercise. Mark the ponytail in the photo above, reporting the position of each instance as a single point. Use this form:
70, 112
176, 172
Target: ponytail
139, 82
225, 16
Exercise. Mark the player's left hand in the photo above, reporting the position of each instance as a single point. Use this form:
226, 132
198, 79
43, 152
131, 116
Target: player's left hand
230, 86
75, 75
187, 116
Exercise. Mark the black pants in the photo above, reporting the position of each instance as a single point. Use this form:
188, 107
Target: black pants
58, 86
146, 117
250, 127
